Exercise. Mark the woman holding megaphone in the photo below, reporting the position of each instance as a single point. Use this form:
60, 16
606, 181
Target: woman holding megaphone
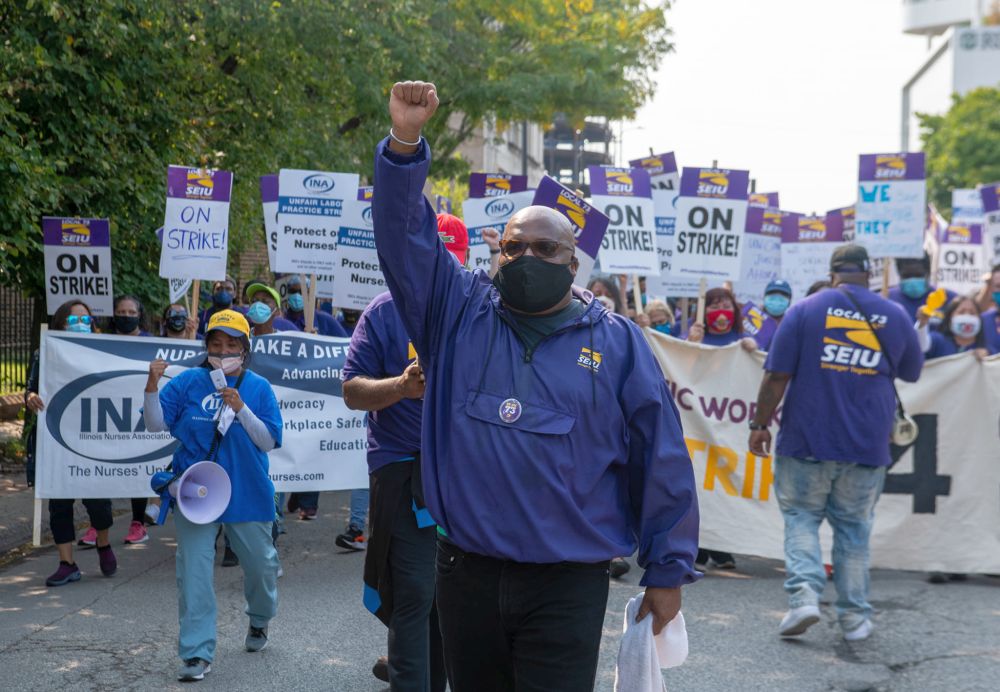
223, 413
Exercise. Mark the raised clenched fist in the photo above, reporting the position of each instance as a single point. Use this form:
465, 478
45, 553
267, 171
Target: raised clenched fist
411, 105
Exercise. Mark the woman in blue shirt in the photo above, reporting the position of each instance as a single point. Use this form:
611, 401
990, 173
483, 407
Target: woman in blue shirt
961, 330
245, 413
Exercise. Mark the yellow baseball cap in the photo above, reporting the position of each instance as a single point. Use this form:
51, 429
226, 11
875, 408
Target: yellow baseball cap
230, 322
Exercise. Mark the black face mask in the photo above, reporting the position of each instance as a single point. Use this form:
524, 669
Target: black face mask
177, 323
529, 284
124, 324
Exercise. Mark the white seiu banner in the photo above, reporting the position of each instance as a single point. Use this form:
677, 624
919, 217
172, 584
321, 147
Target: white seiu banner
92, 441
939, 510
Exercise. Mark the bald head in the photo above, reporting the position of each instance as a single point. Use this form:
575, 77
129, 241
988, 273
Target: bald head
540, 223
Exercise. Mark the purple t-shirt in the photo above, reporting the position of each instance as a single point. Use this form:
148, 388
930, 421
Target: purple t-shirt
380, 348
840, 403
991, 330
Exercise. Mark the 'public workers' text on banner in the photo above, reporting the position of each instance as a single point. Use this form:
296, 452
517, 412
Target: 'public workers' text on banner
310, 207
892, 202
358, 277
92, 441
589, 223
665, 184
624, 196
78, 263
960, 258
493, 199
761, 253
269, 202
711, 223
990, 195
196, 224
947, 478
807, 242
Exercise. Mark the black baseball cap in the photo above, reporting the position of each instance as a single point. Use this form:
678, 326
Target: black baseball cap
848, 258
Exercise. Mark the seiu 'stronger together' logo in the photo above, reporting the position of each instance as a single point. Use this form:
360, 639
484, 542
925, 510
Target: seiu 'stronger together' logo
619, 181
199, 184
368, 194
754, 319
890, 166
497, 185
653, 164
75, 233
589, 359
812, 228
849, 344
959, 234
772, 221
759, 198
573, 209
712, 183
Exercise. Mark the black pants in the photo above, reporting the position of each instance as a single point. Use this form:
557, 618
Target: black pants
139, 509
61, 518
518, 626
416, 660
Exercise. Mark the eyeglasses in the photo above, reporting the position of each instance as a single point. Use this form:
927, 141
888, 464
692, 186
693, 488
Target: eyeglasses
544, 249
74, 319
176, 313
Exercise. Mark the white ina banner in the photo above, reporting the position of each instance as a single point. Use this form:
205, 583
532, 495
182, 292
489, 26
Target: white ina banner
196, 224
480, 213
711, 224
939, 510
358, 277
624, 196
92, 441
892, 203
78, 263
310, 204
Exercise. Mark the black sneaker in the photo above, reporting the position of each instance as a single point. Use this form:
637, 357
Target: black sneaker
193, 669
381, 669
256, 639
619, 567
352, 539
701, 561
229, 558
722, 560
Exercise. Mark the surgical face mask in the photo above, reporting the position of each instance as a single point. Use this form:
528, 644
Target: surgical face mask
775, 304
529, 284
296, 302
996, 298
663, 328
914, 287
222, 299
80, 325
719, 321
966, 326
229, 363
177, 322
260, 312
125, 324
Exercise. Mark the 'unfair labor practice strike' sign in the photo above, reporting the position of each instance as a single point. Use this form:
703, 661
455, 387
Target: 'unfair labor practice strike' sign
589, 224
991, 231
310, 207
892, 203
624, 195
358, 277
493, 199
960, 258
78, 263
711, 221
196, 224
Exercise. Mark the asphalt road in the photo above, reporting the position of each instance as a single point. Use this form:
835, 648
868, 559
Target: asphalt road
120, 633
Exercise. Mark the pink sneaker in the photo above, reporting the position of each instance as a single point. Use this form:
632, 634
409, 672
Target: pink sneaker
89, 538
136, 533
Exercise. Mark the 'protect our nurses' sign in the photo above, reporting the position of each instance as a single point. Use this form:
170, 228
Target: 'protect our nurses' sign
310, 207
711, 223
78, 263
892, 205
358, 278
624, 196
196, 224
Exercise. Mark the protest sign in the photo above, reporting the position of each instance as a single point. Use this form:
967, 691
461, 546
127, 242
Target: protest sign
711, 223
358, 277
310, 206
891, 208
761, 254
493, 211
442, 205
589, 223
806, 245
662, 170
496, 184
990, 195
966, 206
960, 259
78, 263
624, 196
92, 441
196, 224
947, 478
269, 202
757, 323
764, 200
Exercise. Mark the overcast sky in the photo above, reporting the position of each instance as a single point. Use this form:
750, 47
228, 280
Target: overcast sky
793, 90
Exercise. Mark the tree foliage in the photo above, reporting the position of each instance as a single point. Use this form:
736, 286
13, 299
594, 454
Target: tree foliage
98, 97
962, 146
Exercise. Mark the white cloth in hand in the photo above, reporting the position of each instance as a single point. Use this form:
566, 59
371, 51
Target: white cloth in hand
641, 655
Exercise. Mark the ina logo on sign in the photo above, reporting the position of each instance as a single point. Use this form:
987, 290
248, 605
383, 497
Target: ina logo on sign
499, 208
318, 183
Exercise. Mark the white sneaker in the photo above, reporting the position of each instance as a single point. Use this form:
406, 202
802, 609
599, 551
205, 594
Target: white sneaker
861, 632
798, 620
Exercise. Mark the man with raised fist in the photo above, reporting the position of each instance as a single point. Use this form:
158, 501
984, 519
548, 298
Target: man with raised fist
550, 443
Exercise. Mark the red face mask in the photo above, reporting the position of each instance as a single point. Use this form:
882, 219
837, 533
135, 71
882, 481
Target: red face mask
719, 321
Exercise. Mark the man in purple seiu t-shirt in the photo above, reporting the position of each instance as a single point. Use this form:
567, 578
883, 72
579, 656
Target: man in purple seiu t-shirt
836, 352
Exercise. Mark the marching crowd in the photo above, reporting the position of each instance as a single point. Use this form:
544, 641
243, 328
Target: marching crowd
470, 454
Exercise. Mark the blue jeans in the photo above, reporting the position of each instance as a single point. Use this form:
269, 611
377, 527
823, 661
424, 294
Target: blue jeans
844, 494
359, 509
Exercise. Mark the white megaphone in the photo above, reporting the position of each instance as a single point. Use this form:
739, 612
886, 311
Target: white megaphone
202, 492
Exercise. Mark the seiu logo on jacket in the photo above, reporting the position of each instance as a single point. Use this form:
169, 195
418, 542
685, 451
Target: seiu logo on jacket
589, 359
849, 345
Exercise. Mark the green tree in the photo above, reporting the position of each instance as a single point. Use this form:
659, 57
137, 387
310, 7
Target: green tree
962, 146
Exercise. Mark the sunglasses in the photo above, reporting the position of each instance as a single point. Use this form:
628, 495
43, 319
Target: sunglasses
176, 313
543, 249
77, 319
